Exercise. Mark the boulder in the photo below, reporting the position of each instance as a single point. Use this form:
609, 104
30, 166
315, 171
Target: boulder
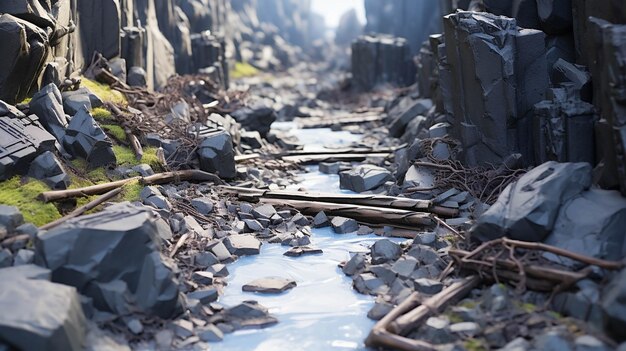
363, 178
256, 117
37, 314
113, 258
47, 167
84, 138
528, 208
216, 154
269, 285
47, 104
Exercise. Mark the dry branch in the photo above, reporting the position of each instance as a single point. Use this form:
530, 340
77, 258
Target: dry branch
87, 207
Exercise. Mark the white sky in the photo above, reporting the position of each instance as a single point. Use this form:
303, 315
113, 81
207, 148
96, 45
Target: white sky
333, 9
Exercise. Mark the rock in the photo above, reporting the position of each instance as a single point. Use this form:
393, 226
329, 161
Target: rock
47, 167
135, 326
23, 257
221, 252
164, 339
21, 322
144, 170
381, 59
252, 139
249, 314
137, 77
589, 343
300, 220
321, 220
613, 304
23, 56
363, 178
159, 202
203, 205
6, 258
216, 154
84, 138
27, 271
518, 344
590, 224
205, 296
264, 211
204, 259
369, 284
466, 329
210, 333
428, 286
22, 140
202, 278
436, 330
182, 328
354, 265
342, 225
113, 257
218, 270
528, 208
256, 117
81, 99
269, 285
47, 104
253, 225
10, 217
552, 341
385, 250
404, 267
302, 251
242, 245
380, 310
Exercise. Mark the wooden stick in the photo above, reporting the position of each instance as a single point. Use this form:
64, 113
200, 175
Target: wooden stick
245, 157
179, 244
179, 176
98, 189
375, 215
310, 159
79, 211
135, 145
340, 151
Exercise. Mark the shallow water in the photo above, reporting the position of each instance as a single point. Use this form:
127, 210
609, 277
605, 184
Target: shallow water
322, 312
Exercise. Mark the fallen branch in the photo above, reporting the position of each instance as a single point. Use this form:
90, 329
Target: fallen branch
81, 210
409, 314
400, 203
317, 158
241, 158
179, 244
134, 144
368, 214
179, 176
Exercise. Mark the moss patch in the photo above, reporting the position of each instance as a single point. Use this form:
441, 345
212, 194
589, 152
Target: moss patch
126, 157
102, 115
104, 92
131, 191
26, 101
474, 345
23, 195
242, 70
116, 131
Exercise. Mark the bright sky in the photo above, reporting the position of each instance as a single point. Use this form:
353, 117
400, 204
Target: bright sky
333, 9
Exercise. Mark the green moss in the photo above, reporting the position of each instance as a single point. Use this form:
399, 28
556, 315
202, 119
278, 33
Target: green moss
26, 101
126, 157
474, 345
116, 131
98, 175
527, 307
454, 318
104, 92
468, 304
102, 115
131, 191
24, 196
242, 70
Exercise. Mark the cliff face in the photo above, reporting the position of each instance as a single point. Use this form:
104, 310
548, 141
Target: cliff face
409, 19
157, 38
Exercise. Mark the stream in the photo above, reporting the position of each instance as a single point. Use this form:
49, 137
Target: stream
323, 312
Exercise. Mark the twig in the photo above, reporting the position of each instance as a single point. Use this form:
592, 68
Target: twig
87, 207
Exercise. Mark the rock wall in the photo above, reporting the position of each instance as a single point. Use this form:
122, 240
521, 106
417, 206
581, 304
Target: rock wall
52, 41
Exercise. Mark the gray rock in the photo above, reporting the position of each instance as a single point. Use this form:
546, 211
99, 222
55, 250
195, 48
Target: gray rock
354, 265
84, 138
144, 170
210, 333
113, 257
216, 154
404, 267
613, 304
47, 167
159, 202
302, 251
264, 211
269, 285
23, 257
591, 224
182, 328
249, 314
23, 303
81, 99
380, 310
218, 270
242, 245
135, 326
342, 225
28, 271
47, 104
221, 252
552, 341
363, 178
203, 205
330, 168
428, 286
202, 278
518, 344
10, 217
256, 117
369, 284
437, 331
321, 220
385, 250
418, 108
205, 259
528, 208
137, 77
6, 258
466, 329
253, 225
205, 296
589, 343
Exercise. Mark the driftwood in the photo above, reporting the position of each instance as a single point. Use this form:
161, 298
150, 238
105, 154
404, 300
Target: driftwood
400, 203
412, 312
159, 178
367, 214
79, 211
317, 158
134, 144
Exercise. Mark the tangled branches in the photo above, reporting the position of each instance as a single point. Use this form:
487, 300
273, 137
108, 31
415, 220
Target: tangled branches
484, 183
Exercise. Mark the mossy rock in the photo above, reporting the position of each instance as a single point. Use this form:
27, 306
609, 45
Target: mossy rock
104, 92
116, 131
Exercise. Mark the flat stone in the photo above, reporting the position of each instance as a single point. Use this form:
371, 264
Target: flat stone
385, 250
242, 245
436, 330
204, 259
182, 328
300, 220
218, 270
264, 211
342, 225
384, 272
205, 296
158, 202
203, 205
253, 225
424, 254
330, 168
250, 314
221, 252
363, 178
302, 251
203, 278
428, 286
269, 285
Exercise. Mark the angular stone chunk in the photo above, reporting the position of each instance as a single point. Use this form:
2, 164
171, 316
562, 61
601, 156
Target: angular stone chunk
113, 257
39, 315
342, 225
48, 106
269, 285
84, 138
385, 250
256, 117
249, 314
527, 209
363, 178
216, 154
242, 245
47, 167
